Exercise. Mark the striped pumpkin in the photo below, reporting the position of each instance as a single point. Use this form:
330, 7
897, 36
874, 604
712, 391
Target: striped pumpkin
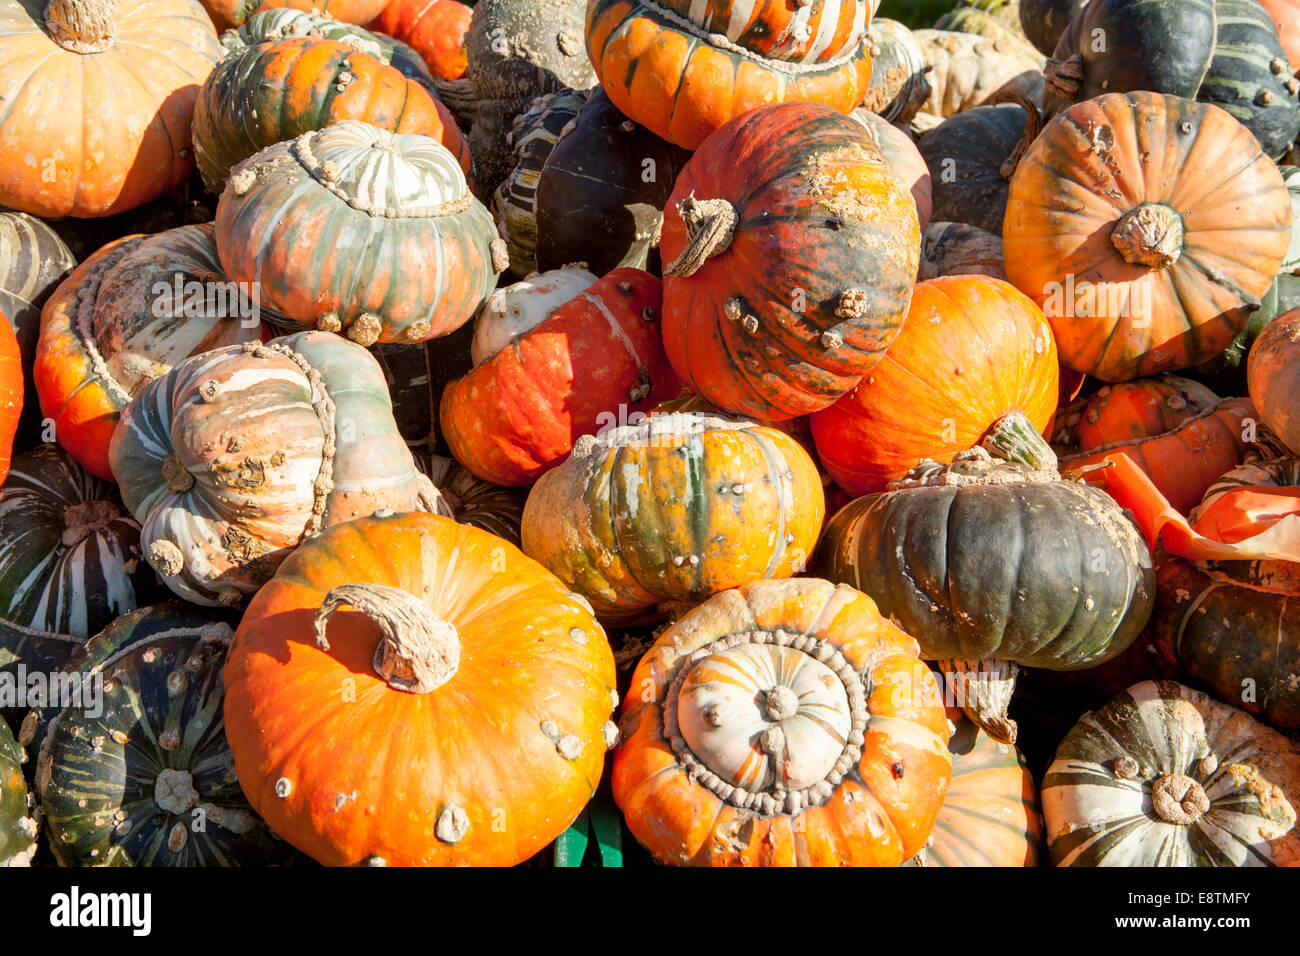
276, 90
232, 13
147, 779
674, 509
126, 315
358, 230
898, 85
682, 83
17, 828
791, 32
469, 500
517, 309
235, 456
1164, 776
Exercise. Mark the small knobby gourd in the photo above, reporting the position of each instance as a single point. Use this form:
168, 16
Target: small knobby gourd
1147, 227
672, 510
1164, 776
358, 230
790, 251
683, 81
126, 315
898, 72
904, 159
17, 828
434, 28
1176, 430
783, 723
519, 413
972, 350
500, 679
108, 91
1273, 377
968, 70
469, 500
235, 456
995, 561
124, 780
517, 309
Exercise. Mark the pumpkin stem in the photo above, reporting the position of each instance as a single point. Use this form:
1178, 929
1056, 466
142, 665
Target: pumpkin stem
418, 651
710, 226
1033, 126
1064, 77
982, 689
1014, 438
81, 26
81, 519
1177, 798
1149, 234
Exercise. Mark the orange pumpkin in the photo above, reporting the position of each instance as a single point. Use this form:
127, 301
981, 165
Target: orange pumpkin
435, 29
972, 350
785, 723
458, 715
1147, 227
11, 393
1273, 376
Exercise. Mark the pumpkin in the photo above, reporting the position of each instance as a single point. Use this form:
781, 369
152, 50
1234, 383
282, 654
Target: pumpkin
517, 309
790, 252
1177, 431
898, 85
501, 681
99, 97
973, 349
1043, 21
990, 815
277, 90
514, 204
1166, 222
1071, 587
783, 723
796, 428
11, 394
1286, 17
236, 455
468, 500
601, 193
1272, 376
597, 357
33, 261
968, 70
954, 248
778, 30
1256, 474
358, 230
232, 13
17, 828
126, 315
973, 20
140, 774
1164, 776
674, 78
903, 158
433, 28
673, 509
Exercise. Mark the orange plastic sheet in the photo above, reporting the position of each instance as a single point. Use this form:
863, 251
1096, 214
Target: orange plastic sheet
1243, 524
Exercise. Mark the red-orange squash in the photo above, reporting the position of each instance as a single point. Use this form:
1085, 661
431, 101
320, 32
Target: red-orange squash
785, 723
11, 394
456, 713
972, 350
435, 29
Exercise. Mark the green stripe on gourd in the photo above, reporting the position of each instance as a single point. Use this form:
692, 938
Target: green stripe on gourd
17, 828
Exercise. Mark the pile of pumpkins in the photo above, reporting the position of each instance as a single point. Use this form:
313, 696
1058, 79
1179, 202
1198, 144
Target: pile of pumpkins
450, 436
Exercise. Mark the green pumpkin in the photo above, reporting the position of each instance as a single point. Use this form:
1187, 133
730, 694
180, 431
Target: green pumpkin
1043, 21
17, 828
966, 155
150, 781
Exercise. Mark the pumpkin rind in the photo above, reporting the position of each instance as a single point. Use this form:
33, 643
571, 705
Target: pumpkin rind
1274, 378
11, 393
898, 72
517, 309
17, 828
232, 13
904, 159
969, 70
434, 28
1045, 20
965, 155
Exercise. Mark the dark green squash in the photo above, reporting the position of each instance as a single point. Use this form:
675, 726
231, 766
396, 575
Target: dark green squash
17, 828
601, 193
149, 780
1043, 21
967, 155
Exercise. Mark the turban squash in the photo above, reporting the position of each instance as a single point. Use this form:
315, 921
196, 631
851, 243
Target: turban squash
790, 251
435, 29
784, 723
500, 679
517, 309
1147, 227
99, 98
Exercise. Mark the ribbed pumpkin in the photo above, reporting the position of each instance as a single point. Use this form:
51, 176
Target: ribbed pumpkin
954, 248
17, 828
517, 309
126, 315
358, 230
898, 72
1164, 776
785, 723
235, 456
673, 510
232, 13
683, 82
276, 90
1177, 431
469, 500
99, 97
519, 413
1285, 15
143, 776
972, 350
1273, 376
434, 28
1161, 216
501, 681
969, 71
601, 193
903, 158
789, 252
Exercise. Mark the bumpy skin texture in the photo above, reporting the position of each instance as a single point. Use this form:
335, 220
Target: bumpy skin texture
972, 349
1098, 807
814, 283
492, 740
433, 28
898, 72
670, 77
519, 49
878, 814
968, 70
520, 412
903, 158
1285, 15
1103, 162
675, 509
